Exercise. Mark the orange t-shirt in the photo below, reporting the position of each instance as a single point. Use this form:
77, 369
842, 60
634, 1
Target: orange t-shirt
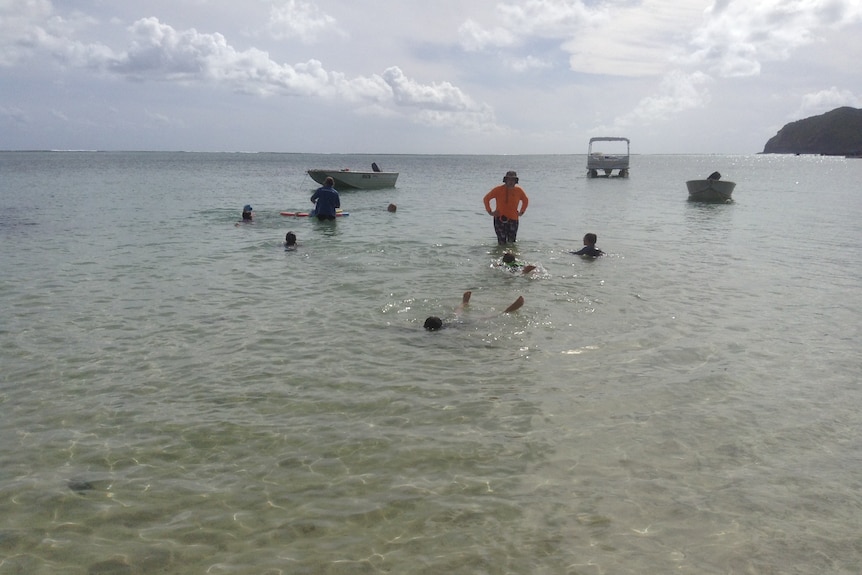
507, 201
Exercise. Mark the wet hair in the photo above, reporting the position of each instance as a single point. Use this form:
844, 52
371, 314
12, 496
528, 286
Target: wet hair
290, 238
392, 207
508, 258
591, 239
433, 323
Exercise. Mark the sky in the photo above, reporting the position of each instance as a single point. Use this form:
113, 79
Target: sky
421, 76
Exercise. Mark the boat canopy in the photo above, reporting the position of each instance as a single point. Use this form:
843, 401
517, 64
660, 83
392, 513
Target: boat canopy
608, 139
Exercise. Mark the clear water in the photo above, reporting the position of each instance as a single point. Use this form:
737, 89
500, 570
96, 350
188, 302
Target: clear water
182, 395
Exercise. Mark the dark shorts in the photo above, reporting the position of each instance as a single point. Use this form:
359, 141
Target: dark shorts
506, 230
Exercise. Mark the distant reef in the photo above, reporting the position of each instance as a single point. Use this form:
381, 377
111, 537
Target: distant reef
835, 133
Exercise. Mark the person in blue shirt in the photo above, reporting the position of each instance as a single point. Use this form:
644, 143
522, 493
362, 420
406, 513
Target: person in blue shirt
589, 249
326, 201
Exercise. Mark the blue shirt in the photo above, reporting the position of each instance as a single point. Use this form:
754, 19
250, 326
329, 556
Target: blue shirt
327, 201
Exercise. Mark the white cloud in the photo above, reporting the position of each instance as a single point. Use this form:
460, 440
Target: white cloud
18, 29
158, 52
407, 63
302, 20
440, 104
824, 100
31, 26
738, 37
678, 92
551, 18
438, 96
618, 37
476, 38
528, 63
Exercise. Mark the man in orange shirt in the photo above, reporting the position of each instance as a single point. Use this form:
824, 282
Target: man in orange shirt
510, 203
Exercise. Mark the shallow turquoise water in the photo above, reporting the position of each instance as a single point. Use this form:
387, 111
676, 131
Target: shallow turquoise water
181, 395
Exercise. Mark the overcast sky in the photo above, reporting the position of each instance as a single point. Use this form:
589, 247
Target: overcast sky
421, 76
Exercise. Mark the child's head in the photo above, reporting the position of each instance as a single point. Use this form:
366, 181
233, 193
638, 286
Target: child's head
433, 323
290, 239
508, 258
590, 239
246, 212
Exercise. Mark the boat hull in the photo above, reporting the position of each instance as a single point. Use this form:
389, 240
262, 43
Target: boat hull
348, 179
719, 191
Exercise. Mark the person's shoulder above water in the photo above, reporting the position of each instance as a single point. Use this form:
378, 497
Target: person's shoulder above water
589, 249
247, 215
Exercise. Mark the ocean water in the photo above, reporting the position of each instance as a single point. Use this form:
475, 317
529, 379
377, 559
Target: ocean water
182, 395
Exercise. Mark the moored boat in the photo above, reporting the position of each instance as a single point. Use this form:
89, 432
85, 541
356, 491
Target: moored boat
606, 163
713, 189
357, 180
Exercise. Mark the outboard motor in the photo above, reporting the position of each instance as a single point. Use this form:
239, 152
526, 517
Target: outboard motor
714, 176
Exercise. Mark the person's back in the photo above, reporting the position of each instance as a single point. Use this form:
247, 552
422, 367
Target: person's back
326, 200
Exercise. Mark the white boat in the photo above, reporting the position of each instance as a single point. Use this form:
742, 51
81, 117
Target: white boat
602, 165
358, 180
712, 189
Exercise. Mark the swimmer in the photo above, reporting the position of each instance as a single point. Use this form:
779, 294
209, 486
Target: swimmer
434, 323
392, 208
290, 241
589, 249
247, 213
247, 216
509, 262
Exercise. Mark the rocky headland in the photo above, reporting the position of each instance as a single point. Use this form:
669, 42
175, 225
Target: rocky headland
835, 133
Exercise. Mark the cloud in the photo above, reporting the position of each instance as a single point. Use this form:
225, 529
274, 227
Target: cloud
29, 27
162, 119
439, 104
157, 52
528, 63
616, 37
301, 20
525, 21
738, 37
14, 115
678, 92
474, 38
550, 18
825, 100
